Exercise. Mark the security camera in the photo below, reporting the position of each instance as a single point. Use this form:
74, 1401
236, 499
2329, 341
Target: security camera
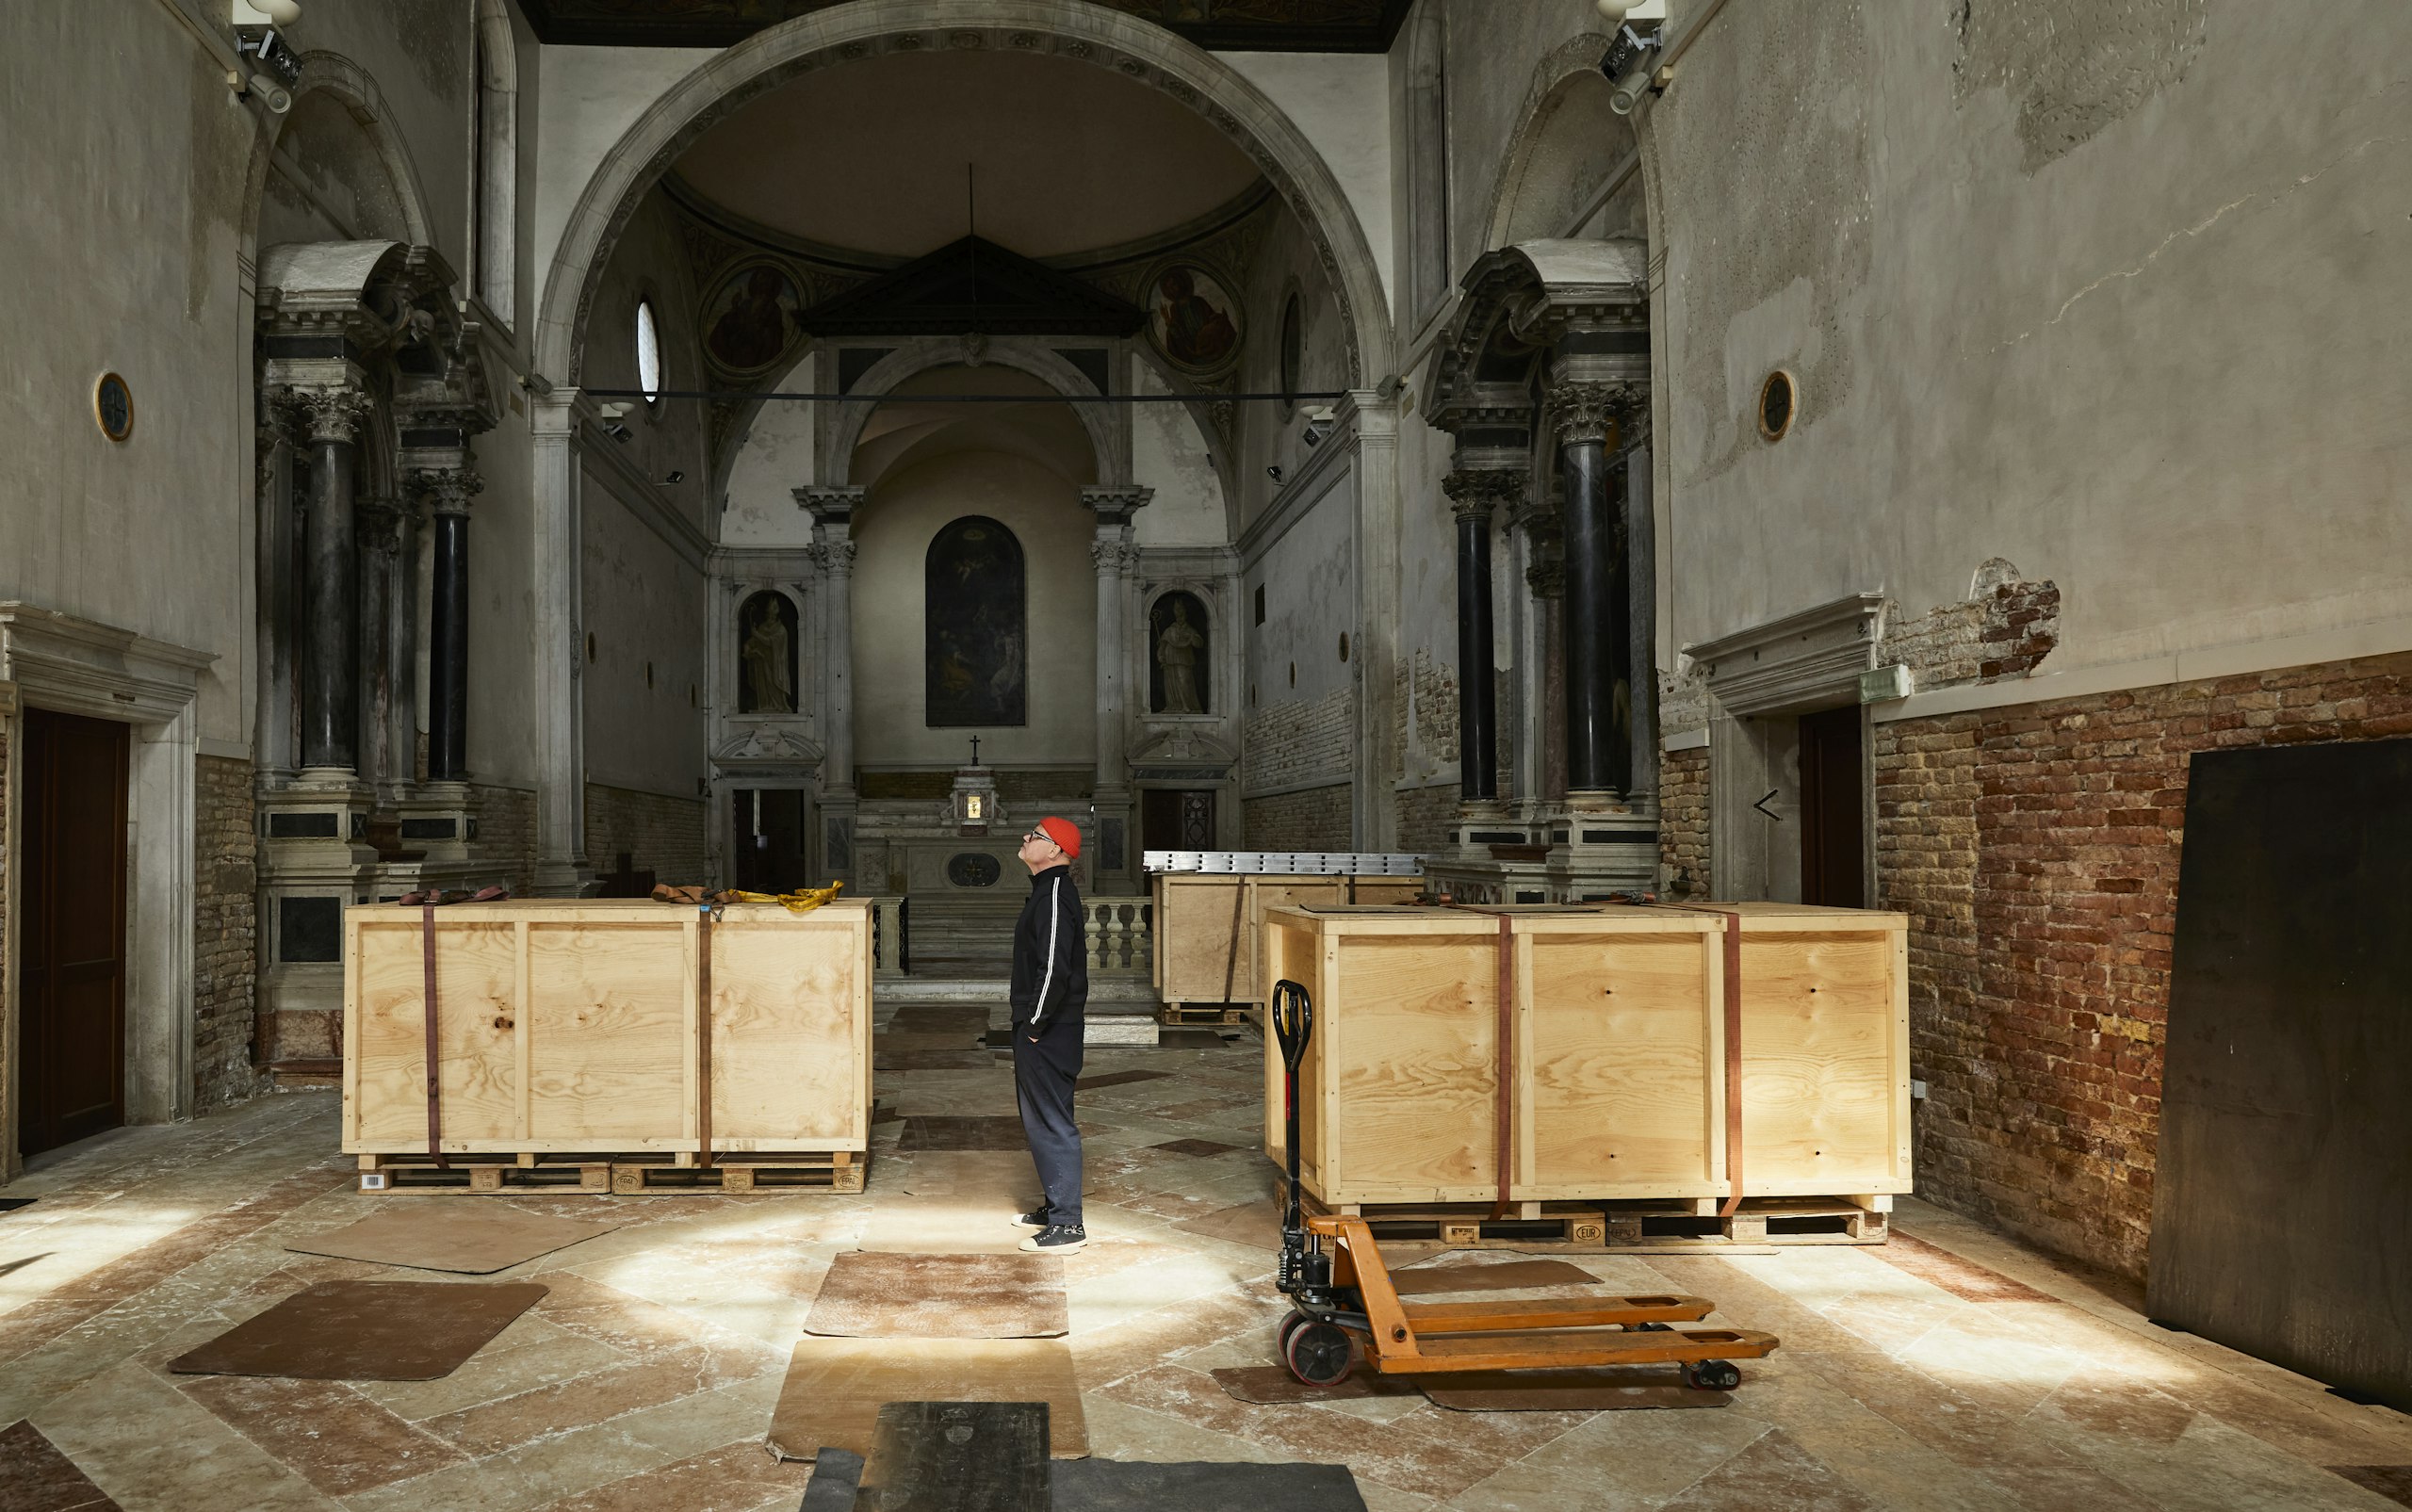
263, 88
674, 476
1274, 473
619, 433
1320, 423
1629, 64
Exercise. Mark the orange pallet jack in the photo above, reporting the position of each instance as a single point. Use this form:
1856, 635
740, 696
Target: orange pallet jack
1343, 1300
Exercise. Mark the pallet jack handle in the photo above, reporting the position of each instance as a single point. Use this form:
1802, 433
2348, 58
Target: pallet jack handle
1292, 1013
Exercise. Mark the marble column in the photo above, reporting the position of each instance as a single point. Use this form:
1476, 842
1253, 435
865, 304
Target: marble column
447, 492
279, 441
1641, 594
1115, 554
832, 507
377, 538
331, 624
1545, 581
558, 639
1475, 494
1369, 422
1597, 607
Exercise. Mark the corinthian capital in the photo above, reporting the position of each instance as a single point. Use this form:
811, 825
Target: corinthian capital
1475, 492
1114, 556
835, 557
330, 414
446, 490
1582, 412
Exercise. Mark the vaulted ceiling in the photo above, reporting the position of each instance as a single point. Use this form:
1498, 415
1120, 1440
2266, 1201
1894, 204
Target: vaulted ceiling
1259, 25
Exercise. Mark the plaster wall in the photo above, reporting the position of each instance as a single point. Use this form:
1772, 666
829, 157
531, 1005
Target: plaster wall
645, 682
1307, 573
1272, 435
1342, 103
1170, 454
2061, 285
1428, 567
774, 460
893, 533
588, 98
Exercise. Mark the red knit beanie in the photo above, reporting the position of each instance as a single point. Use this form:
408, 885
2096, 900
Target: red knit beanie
1066, 835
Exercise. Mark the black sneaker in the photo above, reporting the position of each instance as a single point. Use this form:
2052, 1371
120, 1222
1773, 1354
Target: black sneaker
1034, 1218
1057, 1238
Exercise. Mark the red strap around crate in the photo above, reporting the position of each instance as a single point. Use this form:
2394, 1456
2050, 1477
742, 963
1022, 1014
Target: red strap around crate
434, 1080
704, 1035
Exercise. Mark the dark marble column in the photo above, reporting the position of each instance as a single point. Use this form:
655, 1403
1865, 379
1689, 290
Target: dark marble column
1546, 579
1641, 576
447, 492
1473, 495
330, 614
1597, 609
377, 542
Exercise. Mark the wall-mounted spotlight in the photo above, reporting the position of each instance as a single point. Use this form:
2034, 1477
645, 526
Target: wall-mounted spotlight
616, 410
619, 433
674, 476
1320, 423
1274, 473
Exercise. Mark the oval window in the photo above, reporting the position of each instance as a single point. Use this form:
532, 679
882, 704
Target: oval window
648, 353
1776, 403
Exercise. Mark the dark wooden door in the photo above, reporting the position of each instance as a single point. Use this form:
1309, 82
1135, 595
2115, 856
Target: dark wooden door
71, 982
1834, 810
1175, 819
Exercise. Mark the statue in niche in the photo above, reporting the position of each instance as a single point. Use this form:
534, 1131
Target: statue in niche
974, 610
1178, 625
766, 655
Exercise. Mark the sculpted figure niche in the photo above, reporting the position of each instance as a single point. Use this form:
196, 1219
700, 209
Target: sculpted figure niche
766, 655
1178, 624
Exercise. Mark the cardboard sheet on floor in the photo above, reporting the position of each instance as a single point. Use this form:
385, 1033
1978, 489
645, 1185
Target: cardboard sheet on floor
1507, 1275
868, 1295
36, 1477
1570, 1390
951, 1202
440, 1236
949, 1132
1131, 1485
958, 1457
367, 1331
836, 1387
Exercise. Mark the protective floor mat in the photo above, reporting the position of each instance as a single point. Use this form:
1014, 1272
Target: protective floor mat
366, 1331
1257, 1225
953, 1132
36, 1477
941, 1017
1121, 1486
836, 1387
958, 1457
969, 1058
440, 1237
942, 1296
1192, 1039
12, 1203
1508, 1275
1117, 1079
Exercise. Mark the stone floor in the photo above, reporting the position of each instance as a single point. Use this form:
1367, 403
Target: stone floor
1960, 1372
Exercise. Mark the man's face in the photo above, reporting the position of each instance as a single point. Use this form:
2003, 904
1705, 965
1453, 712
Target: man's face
1038, 851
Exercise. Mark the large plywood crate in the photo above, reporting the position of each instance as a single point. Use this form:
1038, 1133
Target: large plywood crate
577, 1025
1619, 1085
1207, 924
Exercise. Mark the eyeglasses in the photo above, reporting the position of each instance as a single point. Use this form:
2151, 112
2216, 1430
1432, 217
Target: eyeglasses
1034, 835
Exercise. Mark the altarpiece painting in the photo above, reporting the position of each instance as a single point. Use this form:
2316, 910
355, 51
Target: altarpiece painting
975, 614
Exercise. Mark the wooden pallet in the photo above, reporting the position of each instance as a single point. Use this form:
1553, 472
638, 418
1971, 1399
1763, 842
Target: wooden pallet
1620, 1225
1183, 1014
622, 1175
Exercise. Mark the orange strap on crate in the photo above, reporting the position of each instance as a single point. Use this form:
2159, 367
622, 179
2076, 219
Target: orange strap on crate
1506, 1136
434, 1080
704, 1036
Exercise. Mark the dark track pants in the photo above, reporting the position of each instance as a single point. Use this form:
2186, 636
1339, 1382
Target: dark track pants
1043, 1078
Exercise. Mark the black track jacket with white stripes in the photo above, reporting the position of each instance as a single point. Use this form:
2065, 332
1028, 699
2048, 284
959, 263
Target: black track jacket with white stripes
1050, 983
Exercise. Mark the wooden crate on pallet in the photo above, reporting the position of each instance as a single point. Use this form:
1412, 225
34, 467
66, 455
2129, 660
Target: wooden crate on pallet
489, 1175
580, 1027
1183, 1016
839, 1171
1208, 925
1618, 1017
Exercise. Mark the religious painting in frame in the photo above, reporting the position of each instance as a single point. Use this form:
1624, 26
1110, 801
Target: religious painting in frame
750, 320
974, 617
1192, 318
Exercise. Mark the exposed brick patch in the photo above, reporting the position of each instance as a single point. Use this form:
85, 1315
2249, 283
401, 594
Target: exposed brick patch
2036, 850
225, 932
1683, 823
1424, 815
2005, 627
8, 1071
507, 832
1316, 819
2022, 626
1683, 698
1423, 712
1296, 743
662, 834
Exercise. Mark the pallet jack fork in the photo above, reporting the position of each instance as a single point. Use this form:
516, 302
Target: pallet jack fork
1342, 1298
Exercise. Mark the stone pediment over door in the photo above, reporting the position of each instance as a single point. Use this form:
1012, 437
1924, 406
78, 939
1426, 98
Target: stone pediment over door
973, 286
769, 748
1184, 752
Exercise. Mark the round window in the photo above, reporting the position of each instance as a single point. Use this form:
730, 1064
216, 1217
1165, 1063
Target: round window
1776, 401
648, 353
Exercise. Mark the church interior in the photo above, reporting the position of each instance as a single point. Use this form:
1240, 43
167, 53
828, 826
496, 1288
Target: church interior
1735, 679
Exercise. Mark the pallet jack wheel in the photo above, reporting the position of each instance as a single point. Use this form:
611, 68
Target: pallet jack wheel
1709, 1376
1319, 1354
1290, 1324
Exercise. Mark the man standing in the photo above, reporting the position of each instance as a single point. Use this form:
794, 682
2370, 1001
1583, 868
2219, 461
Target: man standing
1050, 994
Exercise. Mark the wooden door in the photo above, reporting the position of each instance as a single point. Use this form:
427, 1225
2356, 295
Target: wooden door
1176, 820
71, 971
1834, 809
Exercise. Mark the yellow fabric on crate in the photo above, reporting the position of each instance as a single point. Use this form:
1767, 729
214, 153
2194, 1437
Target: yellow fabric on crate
803, 900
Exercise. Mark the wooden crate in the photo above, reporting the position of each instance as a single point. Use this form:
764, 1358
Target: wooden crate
575, 1026
1208, 924
1620, 1052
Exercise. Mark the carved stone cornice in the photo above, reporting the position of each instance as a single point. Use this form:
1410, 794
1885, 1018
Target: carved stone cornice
1520, 300
445, 490
1115, 503
830, 505
1475, 492
329, 414
1594, 411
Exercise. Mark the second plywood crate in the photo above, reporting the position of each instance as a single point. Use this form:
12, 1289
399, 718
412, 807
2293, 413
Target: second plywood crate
1619, 1085
1208, 925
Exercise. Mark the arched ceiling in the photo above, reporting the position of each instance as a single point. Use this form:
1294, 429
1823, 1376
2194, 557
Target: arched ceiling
901, 433
1067, 157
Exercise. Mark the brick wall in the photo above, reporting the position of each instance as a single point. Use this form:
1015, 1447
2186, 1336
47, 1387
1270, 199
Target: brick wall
1316, 819
1683, 823
8, 1070
2036, 850
1425, 817
507, 832
1297, 743
225, 935
662, 834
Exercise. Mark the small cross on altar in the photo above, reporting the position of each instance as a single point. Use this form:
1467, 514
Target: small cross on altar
975, 750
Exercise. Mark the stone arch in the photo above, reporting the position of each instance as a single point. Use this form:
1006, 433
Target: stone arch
1565, 112
1110, 441
846, 33
494, 212
338, 77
